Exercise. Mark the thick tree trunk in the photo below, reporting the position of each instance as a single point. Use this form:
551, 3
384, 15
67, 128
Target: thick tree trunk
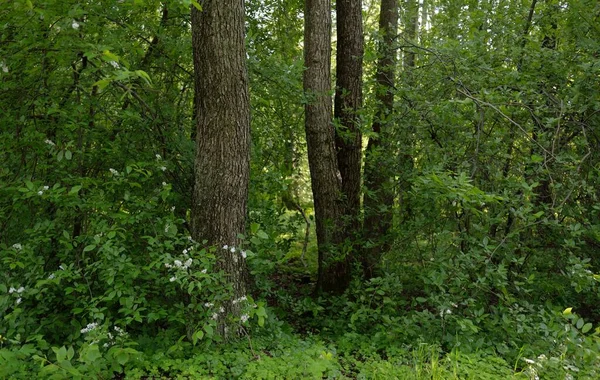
348, 101
222, 163
379, 199
321, 146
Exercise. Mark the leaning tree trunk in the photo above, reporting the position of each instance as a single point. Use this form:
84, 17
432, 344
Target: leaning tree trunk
222, 163
348, 102
379, 200
322, 159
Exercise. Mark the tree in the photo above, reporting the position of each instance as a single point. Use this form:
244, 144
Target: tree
220, 195
379, 199
320, 143
348, 101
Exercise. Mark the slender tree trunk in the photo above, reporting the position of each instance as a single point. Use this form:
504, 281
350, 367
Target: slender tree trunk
379, 199
348, 102
222, 163
321, 146
406, 138
411, 31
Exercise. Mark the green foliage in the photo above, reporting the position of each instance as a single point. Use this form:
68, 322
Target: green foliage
493, 153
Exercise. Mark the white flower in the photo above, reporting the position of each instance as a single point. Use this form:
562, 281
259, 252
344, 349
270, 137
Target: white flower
61, 267
163, 168
172, 279
178, 263
113, 171
105, 345
158, 157
40, 192
241, 299
21, 290
114, 64
164, 183
51, 277
168, 265
215, 316
12, 290
17, 246
529, 361
89, 327
185, 251
203, 271
119, 330
4, 67
49, 142
46, 188
75, 25
243, 253
208, 304
225, 246
232, 249
221, 309
19, 300
244, 318
187, 263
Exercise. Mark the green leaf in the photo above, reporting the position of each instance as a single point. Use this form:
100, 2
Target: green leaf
60, 155
587, 327
536, 158
262, 234
144, 75
111, 234
74, 190
110, 56
68, 155
198, 335
61, 353
209, 330
102, 83
89, 247
122, 357
197, 5
579, 323
568, 311
90, 354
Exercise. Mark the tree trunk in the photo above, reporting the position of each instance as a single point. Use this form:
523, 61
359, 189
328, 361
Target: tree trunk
348, 101
379, 199
222, 163
332, 273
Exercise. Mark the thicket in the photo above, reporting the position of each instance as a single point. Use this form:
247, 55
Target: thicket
492, 267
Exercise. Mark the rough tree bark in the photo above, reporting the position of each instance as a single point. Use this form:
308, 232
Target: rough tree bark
348, 101
379, 199
222, 162
320, 143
